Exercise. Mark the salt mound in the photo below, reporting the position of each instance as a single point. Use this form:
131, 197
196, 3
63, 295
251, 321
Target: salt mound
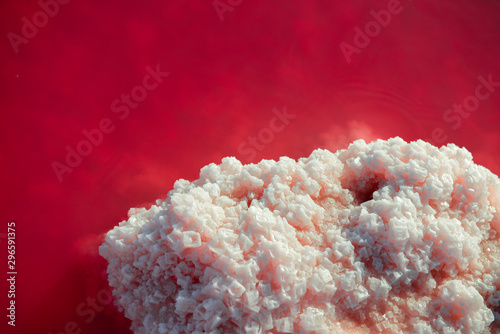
386, 237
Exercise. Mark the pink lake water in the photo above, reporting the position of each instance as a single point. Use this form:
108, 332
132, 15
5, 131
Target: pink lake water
408, 76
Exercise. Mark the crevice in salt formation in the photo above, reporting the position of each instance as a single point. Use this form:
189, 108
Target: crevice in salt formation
252, 195
366, 194
363, 188
248, 195
439, 275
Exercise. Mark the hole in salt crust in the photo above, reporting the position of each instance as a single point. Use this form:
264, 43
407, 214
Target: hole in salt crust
366, 194
363, 187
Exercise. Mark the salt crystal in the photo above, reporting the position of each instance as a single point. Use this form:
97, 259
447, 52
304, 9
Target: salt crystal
284, 325
265, 289
252, 297
252, 328
266, 320
244, 242
236, 288
316, 283
191, 239
300, 287
270, 303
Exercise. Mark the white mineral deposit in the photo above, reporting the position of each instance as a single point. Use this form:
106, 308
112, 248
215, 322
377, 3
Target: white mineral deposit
385, 237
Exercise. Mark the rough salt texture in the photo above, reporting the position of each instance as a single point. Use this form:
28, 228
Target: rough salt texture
386, 237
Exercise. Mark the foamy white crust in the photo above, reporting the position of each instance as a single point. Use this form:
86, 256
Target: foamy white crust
301, 246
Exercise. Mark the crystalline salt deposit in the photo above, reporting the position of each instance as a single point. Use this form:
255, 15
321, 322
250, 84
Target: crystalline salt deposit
385, 237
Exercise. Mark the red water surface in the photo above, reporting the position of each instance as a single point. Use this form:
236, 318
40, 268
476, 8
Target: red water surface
228, 71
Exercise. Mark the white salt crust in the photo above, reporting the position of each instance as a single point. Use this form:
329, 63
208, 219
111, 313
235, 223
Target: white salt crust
386, 237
